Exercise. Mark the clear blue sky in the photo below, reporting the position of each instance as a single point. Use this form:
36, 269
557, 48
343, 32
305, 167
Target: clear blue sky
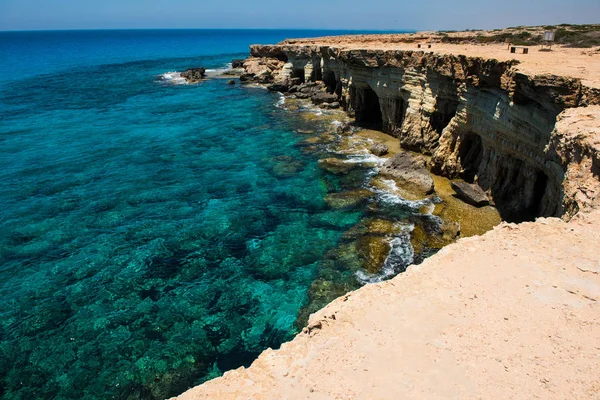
322, 14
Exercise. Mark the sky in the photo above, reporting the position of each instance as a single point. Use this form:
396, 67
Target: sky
312, 14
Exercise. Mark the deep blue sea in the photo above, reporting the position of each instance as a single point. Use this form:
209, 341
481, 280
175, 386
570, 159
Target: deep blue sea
152, 235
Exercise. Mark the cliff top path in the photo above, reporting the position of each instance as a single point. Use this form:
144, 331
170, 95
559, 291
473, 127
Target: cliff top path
582, 63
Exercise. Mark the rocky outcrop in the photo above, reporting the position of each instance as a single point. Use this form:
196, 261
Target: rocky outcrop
470, 193
481, 120
379, 149
193, 75
411, 170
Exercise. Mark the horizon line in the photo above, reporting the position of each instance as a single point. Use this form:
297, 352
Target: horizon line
210, 29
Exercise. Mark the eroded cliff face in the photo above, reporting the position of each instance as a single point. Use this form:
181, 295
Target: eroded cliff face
480, 120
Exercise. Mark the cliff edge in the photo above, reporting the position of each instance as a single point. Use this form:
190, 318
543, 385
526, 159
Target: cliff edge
514, 313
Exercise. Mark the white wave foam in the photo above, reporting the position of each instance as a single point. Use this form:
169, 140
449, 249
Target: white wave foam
401, 255
364, 157
173, 78
281, 101
390, 195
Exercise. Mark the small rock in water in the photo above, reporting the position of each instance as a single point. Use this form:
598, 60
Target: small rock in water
344, 129
231, 82
379, 149
194, 75
331, 106
470, 193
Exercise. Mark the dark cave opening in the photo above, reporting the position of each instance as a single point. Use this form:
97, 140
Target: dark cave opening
445, 110
330, 81
470, 154
368, 109
298, 74
539, 190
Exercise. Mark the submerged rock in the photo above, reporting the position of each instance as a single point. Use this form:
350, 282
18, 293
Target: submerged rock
372, 251
470, 193
374, 227
410, 169
336, 165
348, 199
194, 75
231, 82
344, 129
379, 149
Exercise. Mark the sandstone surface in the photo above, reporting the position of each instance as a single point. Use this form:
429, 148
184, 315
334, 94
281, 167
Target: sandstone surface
470, 193
409, 169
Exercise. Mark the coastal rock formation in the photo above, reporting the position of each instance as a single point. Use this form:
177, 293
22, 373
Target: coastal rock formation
470, 193
193, 75
510, 314
480, 119
411, 170
379, 149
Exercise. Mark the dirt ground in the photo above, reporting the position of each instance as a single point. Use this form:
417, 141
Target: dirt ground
572, 62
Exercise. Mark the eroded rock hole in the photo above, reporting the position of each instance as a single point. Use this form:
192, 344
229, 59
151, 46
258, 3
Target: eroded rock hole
329, 81
445, 110
393, 111
539, 190
368, 109
470, 154
299, 74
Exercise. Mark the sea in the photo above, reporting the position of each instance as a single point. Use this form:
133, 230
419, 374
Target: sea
155, 234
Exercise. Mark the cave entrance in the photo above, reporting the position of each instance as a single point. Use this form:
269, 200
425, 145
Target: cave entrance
298, 74
470, 154
445, 110
539, 190
368, 109
329, 81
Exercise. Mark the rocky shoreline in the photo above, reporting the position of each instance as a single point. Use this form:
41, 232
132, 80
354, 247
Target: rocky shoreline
513, 313
481, 120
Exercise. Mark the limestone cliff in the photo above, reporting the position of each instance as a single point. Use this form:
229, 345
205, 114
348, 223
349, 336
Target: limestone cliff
479, 119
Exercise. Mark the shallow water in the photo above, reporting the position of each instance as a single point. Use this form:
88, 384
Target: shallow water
154, 235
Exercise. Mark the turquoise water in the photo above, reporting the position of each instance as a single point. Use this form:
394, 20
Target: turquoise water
152, 235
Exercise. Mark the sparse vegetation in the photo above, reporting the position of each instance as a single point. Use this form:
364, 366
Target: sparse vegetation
581, 36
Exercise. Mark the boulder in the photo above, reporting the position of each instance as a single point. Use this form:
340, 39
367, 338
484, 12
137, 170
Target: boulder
231, 82
344, 129
193, 75
320, 98
410, 169
331, 106
470, 193
264, 77
281, 86
379, 149
246, 77
237, 63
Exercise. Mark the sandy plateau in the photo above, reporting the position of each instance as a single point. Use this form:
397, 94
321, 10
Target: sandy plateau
511, 314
